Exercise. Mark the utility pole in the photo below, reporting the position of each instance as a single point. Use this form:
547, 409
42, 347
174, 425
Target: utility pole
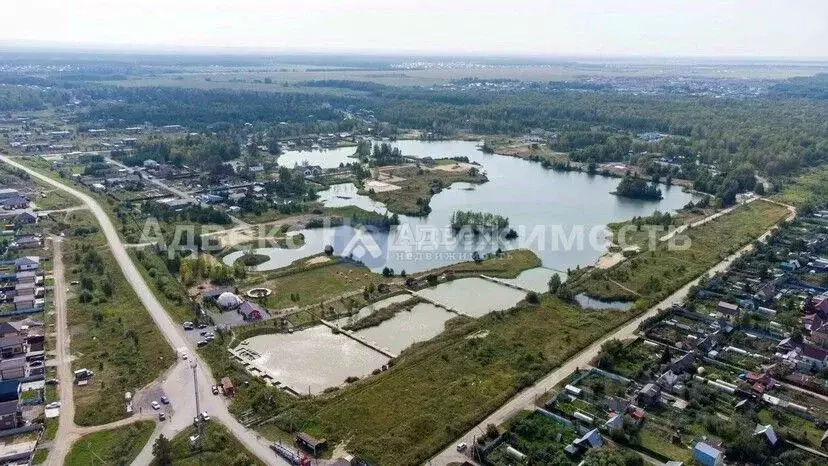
199, 420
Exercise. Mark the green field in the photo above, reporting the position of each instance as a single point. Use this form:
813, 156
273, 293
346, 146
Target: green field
116, 446
419, 185
810, 188
653, 275
112, 333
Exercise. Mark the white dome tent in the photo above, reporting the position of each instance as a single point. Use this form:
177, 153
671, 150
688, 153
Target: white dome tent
228, 300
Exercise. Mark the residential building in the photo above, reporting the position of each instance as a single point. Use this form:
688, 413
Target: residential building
812, 358
15, 203
707, 455
25, 218
727, 309
24, 302
10, 414
11, 369
12, 346
6, 193
251, 311
27, 276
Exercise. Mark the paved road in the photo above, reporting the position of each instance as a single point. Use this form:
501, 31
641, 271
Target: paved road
178, 380
526, 399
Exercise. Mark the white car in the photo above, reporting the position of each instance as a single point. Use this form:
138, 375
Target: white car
54, 404
462, 446
204, 416
155, 405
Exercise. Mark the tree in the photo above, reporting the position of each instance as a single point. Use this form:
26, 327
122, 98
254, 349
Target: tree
532, 297
162, 450
554, 283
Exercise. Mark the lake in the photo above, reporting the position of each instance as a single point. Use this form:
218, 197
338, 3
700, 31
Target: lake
561, 216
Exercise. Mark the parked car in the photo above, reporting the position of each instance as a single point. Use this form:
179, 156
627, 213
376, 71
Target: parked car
462, 446
165, 400
155, 405
54, 404
205, 416
203, 333
201, 343
215, 390
202, 326
162, 416
188, 325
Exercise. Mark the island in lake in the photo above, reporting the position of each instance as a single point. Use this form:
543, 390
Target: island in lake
637, 188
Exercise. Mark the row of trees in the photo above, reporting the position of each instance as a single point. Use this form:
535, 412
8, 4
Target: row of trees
478, 222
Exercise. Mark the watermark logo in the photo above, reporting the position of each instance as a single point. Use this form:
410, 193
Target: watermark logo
363, 243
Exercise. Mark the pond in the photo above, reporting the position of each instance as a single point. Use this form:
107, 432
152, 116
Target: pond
313, 359
473, 297
591, 303
325, 158
561, 216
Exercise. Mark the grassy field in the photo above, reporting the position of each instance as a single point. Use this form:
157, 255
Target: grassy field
116, 446
507, 265
112, 333
220, 448
653, 275
811, 188
391, 418
419, 186
314, 284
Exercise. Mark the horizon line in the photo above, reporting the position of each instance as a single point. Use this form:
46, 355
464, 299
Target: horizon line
241, 51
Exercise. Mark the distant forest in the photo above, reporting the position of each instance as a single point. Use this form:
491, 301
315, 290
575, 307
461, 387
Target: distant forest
777, 134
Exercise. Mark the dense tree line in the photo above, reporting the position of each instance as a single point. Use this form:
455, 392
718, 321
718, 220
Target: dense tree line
637, 188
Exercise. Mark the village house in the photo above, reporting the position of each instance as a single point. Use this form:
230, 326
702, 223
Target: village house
708, 455
812, 358
251, 311
27, 276
26, 242
14, 368
727, 309
12, 346
15, 203
11, 415
24, 302
25, 218
6, 193
27, 263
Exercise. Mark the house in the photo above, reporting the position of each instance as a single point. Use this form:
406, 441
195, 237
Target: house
7, 329
589, 440
227, 387
790, 265
707, 455
213, 293
251, 311
310, 443
727, 309
14, 203
23, 289
24, 302
767, 432
27, 276
11, 416
616, 422
820, 335
25, 218
6, 193
151, 164
667, 380
812, 358
649, 394
311, 171
26, 242
11, 346
11, 369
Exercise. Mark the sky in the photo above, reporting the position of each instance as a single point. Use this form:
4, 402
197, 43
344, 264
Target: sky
652, 28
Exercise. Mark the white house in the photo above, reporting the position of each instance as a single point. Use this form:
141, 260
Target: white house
27, 263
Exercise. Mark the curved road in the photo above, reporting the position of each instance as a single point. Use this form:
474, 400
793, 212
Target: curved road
526, 399
179, 380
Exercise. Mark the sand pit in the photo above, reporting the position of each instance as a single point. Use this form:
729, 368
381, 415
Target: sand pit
380, 187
